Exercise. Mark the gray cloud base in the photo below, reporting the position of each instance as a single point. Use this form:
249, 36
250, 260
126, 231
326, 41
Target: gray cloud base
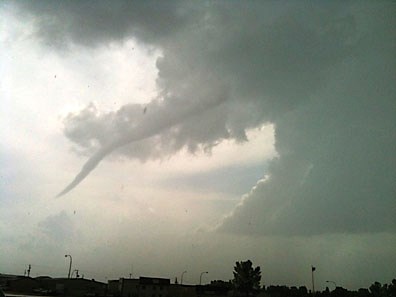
323, 74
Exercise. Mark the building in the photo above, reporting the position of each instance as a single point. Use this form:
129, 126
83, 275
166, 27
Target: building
178, 290
128, 287
161, 287
76, 287
141, 287
154, 287
23, 284
215, 288
113, 288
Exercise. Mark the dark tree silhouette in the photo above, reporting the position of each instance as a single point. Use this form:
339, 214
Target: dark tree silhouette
392, 288
246, 278
375, 289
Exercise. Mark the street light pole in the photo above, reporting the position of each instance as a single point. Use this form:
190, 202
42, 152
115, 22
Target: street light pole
200, 277
70, 264
181, 279
313, 279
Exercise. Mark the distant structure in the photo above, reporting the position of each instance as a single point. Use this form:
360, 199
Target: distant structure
140, 287
20, 285
161, 287
45, 285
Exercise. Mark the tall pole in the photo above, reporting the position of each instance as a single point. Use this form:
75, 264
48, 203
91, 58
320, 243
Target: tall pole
200, 277
313, 279
181, 279
70, 264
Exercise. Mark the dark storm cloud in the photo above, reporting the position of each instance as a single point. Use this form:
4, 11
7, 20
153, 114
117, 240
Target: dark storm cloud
93, 22
322, 73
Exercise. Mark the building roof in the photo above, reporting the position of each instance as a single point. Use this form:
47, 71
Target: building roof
154, 281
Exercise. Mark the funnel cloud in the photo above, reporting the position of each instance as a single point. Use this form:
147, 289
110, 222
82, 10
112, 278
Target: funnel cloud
161, 117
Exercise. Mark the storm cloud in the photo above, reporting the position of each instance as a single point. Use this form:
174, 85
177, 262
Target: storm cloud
323, 74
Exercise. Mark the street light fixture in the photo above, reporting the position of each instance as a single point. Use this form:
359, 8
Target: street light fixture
200, 277
181, 279
70, 264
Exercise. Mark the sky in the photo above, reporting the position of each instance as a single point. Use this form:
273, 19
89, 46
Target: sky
151, 138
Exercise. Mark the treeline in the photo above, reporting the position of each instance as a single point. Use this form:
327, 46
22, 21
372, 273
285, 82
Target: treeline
247, 279
375, 290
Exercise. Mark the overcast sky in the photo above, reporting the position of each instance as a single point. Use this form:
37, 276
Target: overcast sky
162, 136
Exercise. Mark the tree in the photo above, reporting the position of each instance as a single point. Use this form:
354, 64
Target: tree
375, 289
246, 278
392, 288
